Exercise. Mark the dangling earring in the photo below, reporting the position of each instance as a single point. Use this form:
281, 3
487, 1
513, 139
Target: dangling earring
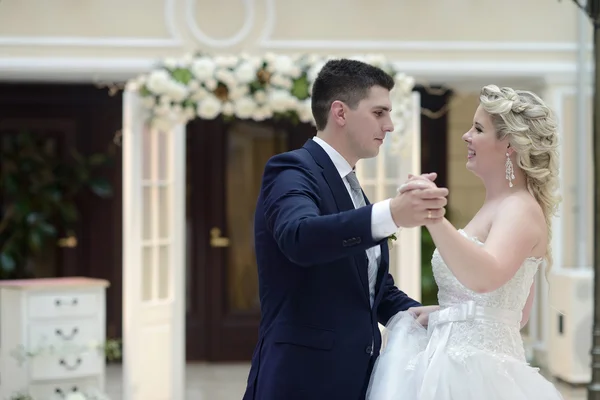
510, 172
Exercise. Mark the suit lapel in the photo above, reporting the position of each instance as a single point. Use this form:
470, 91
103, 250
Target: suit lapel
343, 201
330, 173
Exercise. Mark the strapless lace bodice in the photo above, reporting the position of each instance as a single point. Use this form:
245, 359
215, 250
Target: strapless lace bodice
490, 336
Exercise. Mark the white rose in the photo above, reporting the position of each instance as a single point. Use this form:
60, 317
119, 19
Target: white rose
260, 96
203, 68
162, 109
304, 111
296, 72
170, 63
262, 113
193, 85
281, 100
258, 115
281, 81
200, 94
177, 91
164, 99
75, 396
244, 107
209, 108
237, 92
225, 76
407, 84
211, 84
246, 72
189, 113
148, 101
270, 57
158, 81
176, 109
283, 65
228, 109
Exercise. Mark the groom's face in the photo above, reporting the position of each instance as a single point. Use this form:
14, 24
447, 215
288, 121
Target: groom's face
368, 124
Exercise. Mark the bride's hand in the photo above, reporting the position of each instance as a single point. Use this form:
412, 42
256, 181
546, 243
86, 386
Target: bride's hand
422, 313
414, 182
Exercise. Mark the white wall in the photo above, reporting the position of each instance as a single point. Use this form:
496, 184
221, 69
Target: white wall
477, 33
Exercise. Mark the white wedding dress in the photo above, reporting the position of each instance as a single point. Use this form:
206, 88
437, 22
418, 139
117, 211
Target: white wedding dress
471, 350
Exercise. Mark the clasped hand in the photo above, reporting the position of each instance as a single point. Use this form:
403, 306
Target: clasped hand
421, 314
419, 202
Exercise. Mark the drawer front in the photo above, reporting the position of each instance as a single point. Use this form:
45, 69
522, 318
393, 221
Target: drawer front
75, 304
67, 366
65, 335
60, 389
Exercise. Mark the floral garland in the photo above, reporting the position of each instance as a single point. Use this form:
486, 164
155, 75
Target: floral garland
249, 87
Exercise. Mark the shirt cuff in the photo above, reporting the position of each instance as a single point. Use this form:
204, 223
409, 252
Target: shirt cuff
382, 223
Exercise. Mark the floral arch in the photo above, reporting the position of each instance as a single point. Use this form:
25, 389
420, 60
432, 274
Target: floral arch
250, 87
156, 107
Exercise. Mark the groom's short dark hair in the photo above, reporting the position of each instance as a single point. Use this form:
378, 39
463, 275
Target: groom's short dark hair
344, 80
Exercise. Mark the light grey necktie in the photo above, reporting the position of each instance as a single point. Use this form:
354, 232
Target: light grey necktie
359, 200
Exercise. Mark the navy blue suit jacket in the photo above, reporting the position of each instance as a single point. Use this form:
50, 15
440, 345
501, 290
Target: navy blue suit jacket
318, 334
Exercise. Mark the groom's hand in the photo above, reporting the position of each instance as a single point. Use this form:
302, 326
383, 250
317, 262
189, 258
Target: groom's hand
422, 313
418, 202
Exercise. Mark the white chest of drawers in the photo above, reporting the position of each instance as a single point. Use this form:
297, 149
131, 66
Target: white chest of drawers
52, 333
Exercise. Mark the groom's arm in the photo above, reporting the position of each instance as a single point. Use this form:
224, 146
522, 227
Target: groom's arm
393, 301
291, 198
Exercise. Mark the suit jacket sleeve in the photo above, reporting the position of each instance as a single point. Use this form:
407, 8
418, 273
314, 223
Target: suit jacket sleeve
393, 301
291, 198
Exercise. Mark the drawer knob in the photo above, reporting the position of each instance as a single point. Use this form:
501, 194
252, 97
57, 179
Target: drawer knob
60, 334
61, 393
70, 367
59, 303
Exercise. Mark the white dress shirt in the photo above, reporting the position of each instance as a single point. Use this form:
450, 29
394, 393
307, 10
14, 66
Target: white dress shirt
382, 223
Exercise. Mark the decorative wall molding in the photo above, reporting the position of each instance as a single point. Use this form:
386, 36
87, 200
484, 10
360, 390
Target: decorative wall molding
267, 42
200, 36
461, 75
42, 69
174, 39
421, 46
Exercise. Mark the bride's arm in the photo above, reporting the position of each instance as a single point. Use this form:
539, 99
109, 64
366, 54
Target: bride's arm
512, 237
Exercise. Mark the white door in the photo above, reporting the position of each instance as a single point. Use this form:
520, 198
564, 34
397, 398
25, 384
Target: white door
153, 257
380, 178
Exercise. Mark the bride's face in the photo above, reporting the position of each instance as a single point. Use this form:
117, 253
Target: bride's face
486, 154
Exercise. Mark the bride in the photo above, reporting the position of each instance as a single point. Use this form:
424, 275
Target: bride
472, 348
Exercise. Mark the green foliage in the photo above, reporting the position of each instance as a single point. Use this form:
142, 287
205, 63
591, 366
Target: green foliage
429, 288
38, 189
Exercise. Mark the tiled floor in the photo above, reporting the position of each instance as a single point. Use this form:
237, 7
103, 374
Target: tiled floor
227, 382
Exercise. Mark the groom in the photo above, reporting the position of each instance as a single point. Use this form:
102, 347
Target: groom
322, 250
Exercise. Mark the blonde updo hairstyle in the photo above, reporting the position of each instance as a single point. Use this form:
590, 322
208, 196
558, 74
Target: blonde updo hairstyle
531, 129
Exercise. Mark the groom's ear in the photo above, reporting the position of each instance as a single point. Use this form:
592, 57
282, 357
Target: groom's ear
338, 112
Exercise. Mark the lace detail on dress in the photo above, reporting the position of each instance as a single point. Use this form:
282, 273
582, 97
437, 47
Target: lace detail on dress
495, 338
